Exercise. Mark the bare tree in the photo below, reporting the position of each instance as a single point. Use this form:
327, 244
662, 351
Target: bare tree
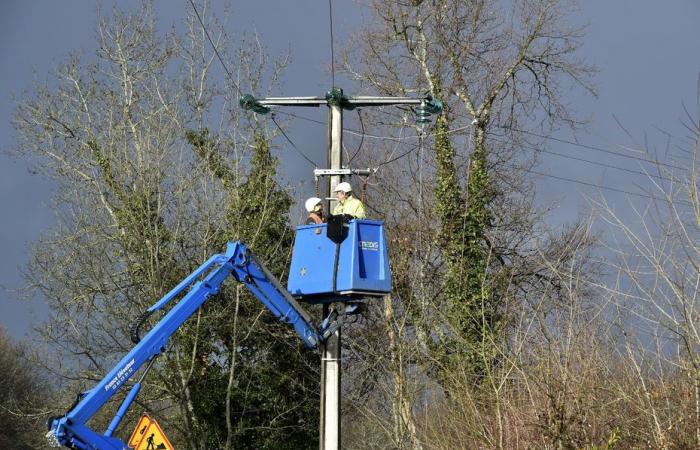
140, 205
655, 248
24, 394
459, 199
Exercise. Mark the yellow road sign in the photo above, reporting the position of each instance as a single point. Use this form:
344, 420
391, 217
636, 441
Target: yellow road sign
139, 431
153, 438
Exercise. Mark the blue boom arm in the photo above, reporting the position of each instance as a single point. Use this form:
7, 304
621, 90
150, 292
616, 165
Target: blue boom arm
71, 431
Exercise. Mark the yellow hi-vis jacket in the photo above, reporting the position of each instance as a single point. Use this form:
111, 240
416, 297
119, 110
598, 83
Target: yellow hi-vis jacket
351, 206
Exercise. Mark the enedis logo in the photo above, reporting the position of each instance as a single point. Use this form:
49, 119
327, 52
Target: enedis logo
369, 245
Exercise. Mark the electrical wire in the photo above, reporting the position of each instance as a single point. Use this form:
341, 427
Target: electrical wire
308, 119
362, 139
330, 17
398, 157
363, 134
371, 136
292, 143
591, 147
216, 51
571, 180
598, 186
458, 129
597, 163
230, 75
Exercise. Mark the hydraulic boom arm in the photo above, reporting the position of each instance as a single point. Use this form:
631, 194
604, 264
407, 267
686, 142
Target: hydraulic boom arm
71, 431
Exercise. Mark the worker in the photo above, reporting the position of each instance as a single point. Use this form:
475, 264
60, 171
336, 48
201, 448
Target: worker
314, 206
348, 204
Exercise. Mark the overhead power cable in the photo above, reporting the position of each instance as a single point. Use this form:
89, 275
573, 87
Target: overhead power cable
607, 188
588, 161
570, 180
292, 143
590, 147
560, 178
370, 136
564, 141
330, 17
216, 51
406, 153
308, 119
230, 76
362, 139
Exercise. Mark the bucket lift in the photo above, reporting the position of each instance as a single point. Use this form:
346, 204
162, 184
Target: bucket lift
339, 261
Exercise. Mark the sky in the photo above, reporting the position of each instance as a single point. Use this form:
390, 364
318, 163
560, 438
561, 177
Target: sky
647, 52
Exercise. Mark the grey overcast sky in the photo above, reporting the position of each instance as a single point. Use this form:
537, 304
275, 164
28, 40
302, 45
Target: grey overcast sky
648, 53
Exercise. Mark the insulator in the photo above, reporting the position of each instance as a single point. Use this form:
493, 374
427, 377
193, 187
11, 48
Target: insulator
422, 114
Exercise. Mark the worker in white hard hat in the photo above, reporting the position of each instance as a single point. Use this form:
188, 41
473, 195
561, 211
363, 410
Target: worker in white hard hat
314, 206
348, 204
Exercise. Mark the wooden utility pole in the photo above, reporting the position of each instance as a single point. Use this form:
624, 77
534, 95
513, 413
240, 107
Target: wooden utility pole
330, 364
336, 101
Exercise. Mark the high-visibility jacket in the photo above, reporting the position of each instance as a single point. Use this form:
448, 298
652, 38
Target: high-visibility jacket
351, 206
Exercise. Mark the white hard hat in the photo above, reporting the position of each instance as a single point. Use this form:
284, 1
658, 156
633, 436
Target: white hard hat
311, 203
343, 187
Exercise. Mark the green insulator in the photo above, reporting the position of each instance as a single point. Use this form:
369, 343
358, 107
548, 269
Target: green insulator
423, 118
250, 103
423, 113
334, 97
434, 106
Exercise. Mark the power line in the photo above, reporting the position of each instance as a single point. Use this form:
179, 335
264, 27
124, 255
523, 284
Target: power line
362, 134
406, 153
308, 119
462, 128
598, 186
570, 180
216, 51
597, 163
362, 139
292, 143
230, 75
330, 16
591, 147
398, 157
371, 136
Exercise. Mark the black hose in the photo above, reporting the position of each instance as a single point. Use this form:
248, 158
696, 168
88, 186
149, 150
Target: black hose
135, 326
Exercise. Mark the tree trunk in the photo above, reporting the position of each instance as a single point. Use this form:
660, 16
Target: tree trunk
404, 430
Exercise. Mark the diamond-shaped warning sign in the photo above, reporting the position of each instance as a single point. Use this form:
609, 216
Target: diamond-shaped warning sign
153, 438
139, 431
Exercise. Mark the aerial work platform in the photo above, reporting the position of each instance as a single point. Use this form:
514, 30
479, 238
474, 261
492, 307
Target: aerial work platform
339, 258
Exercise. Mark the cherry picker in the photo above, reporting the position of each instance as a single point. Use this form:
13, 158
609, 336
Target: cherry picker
338, 261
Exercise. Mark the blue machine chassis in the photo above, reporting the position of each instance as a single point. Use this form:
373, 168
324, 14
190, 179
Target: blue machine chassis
71, 430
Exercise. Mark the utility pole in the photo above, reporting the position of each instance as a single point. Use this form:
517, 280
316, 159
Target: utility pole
336, 102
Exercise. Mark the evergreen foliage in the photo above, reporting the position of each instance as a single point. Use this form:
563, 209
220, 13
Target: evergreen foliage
280, 387
462, 239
